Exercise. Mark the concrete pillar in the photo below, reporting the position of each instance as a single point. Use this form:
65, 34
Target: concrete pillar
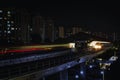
64, 75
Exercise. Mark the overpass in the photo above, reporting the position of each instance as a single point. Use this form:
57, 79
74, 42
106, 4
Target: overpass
37, 66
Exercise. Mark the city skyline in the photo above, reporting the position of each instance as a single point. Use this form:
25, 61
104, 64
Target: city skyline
95, 15
18, 25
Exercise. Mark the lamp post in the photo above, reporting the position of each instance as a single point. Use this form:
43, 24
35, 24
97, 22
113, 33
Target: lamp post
103, 75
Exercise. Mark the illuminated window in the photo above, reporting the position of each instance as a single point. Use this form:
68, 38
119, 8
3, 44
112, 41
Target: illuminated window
1, 11
5, 18
9, 15
8, 12
12, 21
4, 31
30, 29
8, 28
8, 25
12, 28
0, 17
9, 32
8, 22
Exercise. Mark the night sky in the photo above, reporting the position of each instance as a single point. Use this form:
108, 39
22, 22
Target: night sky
94, 15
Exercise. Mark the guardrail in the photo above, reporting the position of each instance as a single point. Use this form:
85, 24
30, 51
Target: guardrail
42, 62
31, 58
32, 66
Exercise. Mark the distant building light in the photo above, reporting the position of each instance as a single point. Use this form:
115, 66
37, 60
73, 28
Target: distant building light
8, 22
9, 32
8, 12
4, 31
12, 28
8, 28
16, 28
30, 29
1, 18
8, 25
9, 15
1, 11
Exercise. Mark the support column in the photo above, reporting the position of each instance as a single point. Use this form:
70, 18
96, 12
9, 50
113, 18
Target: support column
64, 75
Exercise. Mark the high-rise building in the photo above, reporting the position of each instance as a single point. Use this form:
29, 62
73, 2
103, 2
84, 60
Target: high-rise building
13, 26
49, 30
68, 31
23, 24
61, 31
65, 32
7, 28
56, 32
43, 29
38, 29
76, 30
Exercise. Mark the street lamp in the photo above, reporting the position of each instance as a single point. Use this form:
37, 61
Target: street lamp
90, 66
81, 72
103, 75
76, 76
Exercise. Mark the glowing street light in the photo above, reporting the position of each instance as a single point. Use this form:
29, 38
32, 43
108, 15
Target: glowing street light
76, 76
103, 75
90, 66
81, 72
